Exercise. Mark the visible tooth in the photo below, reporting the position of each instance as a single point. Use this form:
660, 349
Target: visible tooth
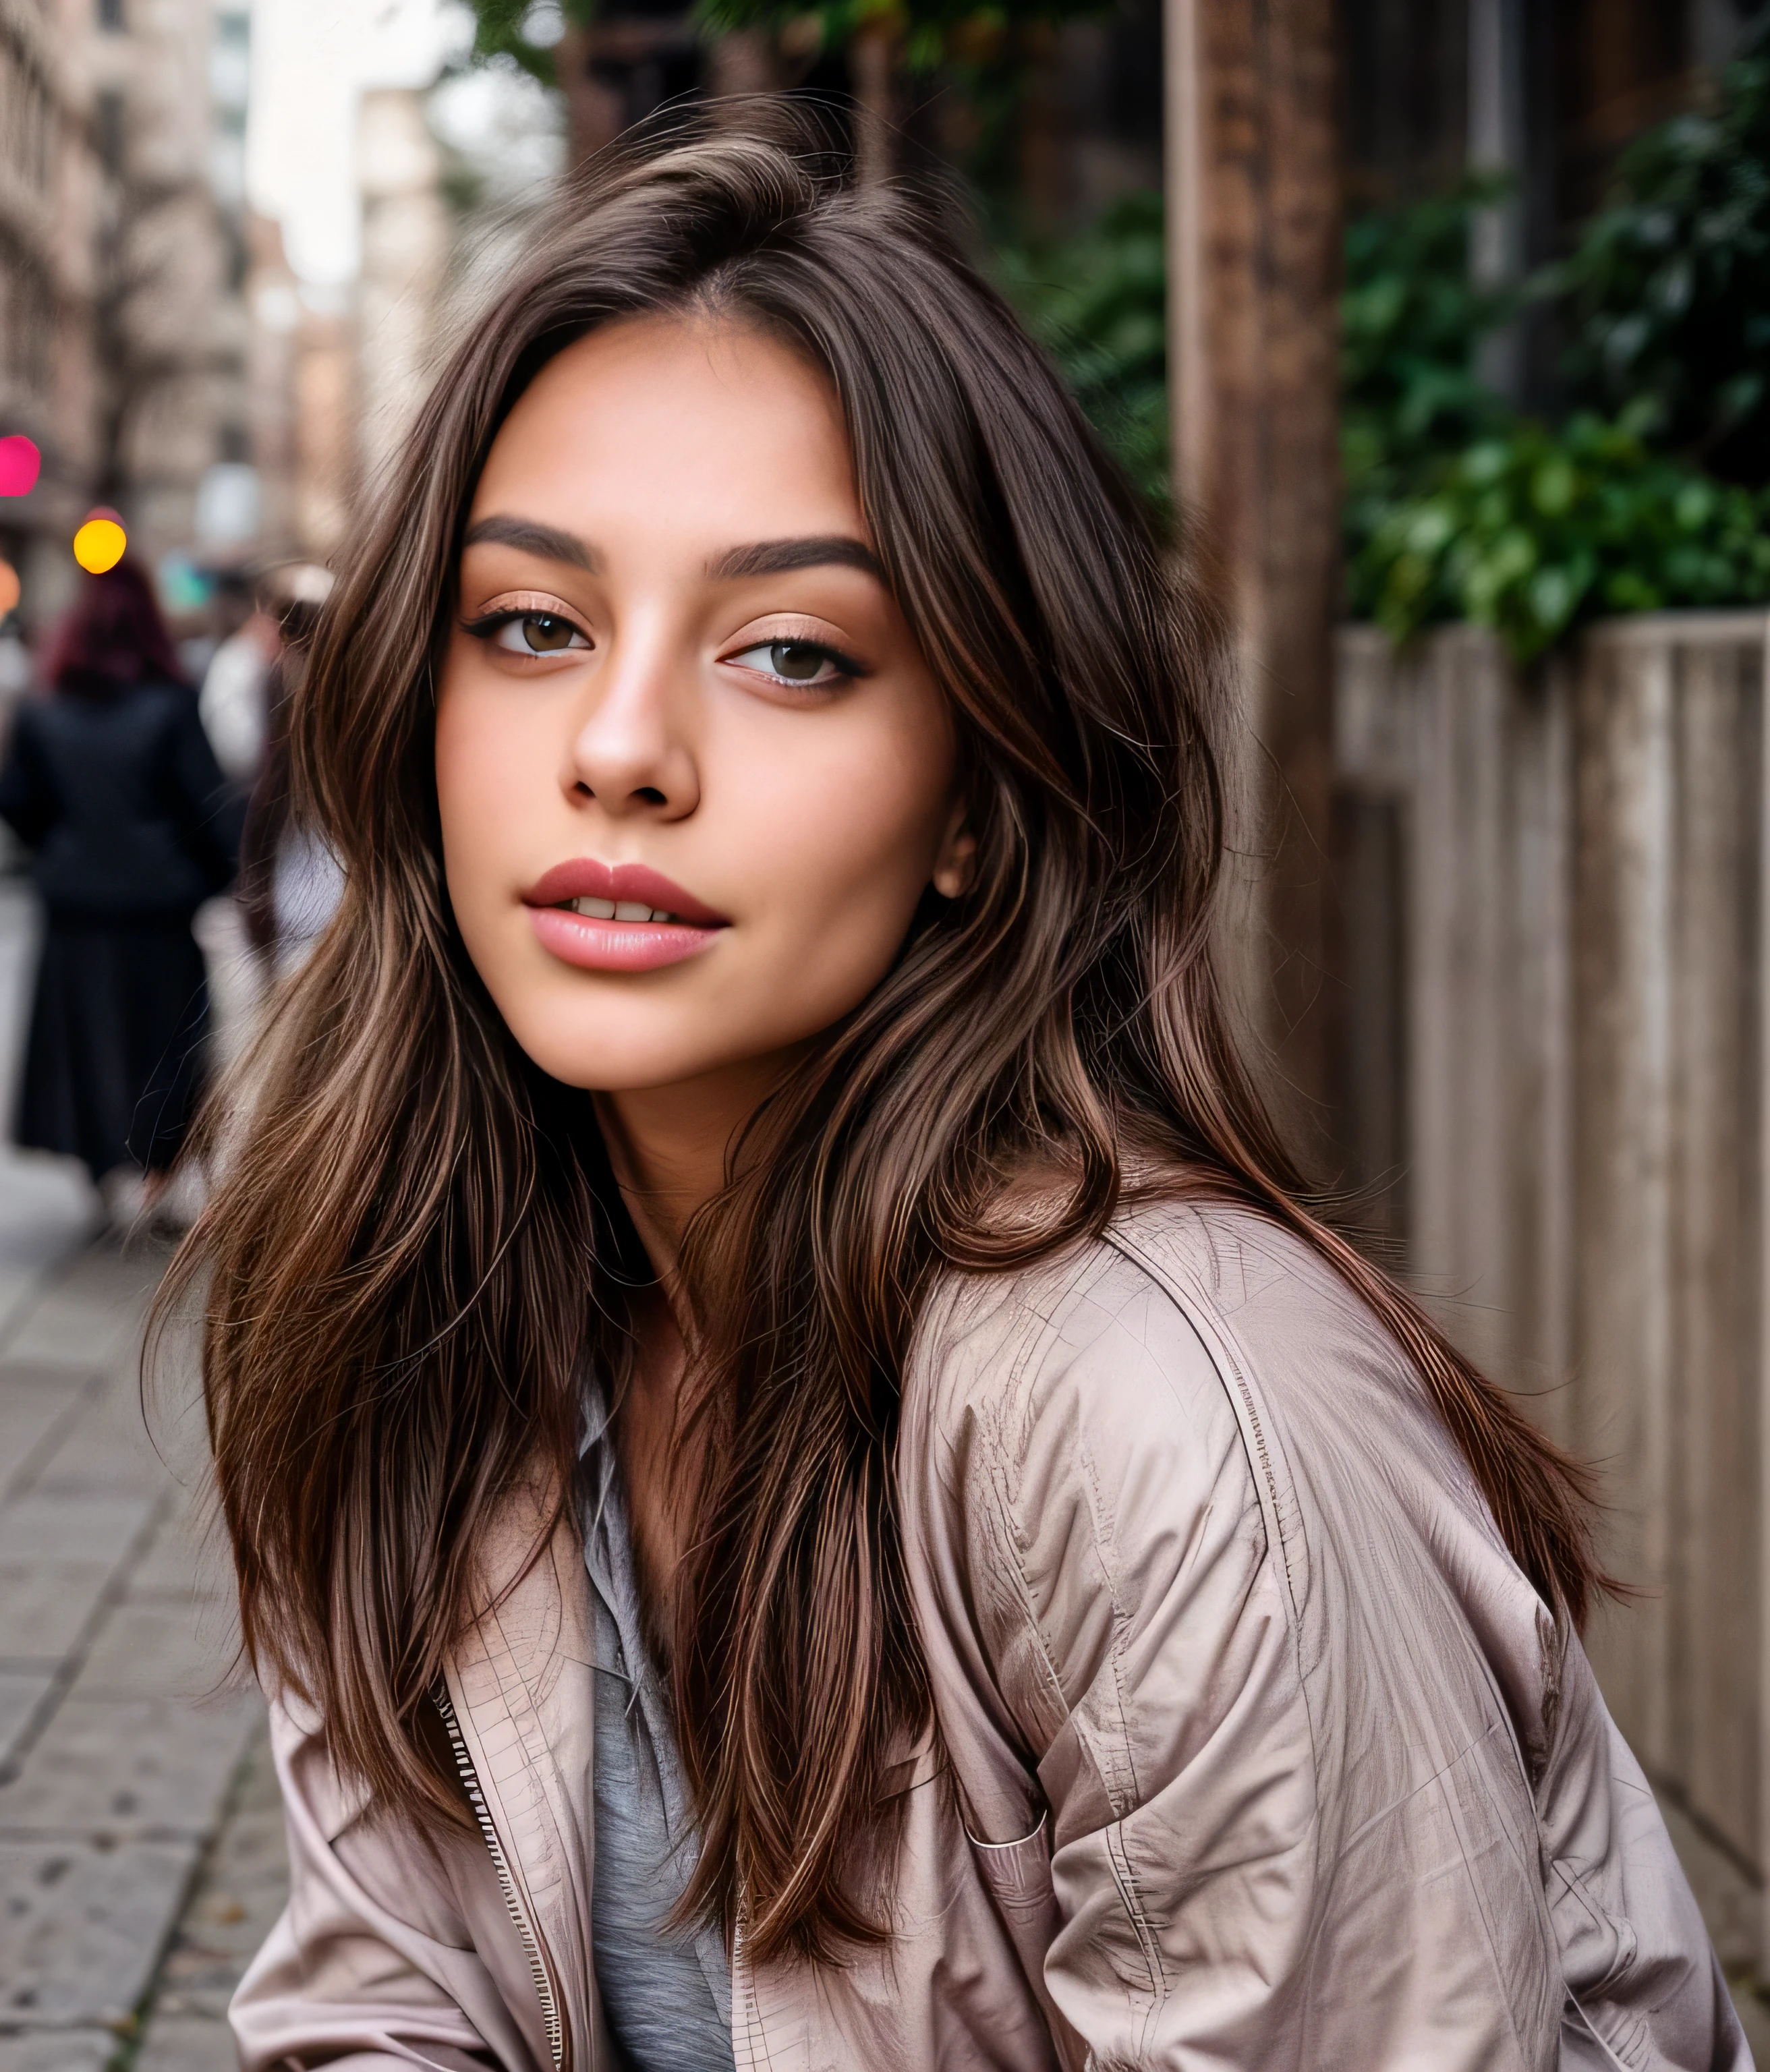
657, 916
598, 910
630, 910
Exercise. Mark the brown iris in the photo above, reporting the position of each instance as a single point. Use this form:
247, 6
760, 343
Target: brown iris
546, 632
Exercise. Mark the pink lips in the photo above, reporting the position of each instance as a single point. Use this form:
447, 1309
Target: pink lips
594, 943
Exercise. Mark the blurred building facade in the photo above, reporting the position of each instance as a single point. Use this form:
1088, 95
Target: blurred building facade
127, 341
169, 317
53, 188
407, 240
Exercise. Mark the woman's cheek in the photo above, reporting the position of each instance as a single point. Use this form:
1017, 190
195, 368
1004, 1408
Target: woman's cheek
479, 804
853, 887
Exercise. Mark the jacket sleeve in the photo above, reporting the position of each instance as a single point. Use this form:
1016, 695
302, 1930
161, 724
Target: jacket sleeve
1645, 1985
1115, 1615
372, 1967
1243, 1879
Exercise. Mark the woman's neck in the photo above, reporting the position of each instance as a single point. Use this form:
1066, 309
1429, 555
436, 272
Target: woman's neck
668, 1147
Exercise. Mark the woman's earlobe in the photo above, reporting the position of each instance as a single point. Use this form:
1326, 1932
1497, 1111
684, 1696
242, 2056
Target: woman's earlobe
956, 864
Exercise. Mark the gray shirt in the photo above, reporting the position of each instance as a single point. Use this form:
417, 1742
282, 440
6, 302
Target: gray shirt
667, 1996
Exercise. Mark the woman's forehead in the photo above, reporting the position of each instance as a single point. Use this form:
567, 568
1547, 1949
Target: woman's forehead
672, 426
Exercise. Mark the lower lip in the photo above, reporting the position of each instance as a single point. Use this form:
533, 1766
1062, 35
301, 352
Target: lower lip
617, 946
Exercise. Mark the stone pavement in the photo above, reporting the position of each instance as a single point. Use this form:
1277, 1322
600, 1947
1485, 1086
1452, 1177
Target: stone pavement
123, 1744
122, 1738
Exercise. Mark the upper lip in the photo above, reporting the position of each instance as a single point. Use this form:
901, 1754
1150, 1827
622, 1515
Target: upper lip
584, 877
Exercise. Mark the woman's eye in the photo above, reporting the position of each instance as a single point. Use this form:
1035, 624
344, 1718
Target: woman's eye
795, 662
537, 633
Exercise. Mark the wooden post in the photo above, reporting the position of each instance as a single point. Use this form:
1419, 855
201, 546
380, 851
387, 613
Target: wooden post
872, 74
1253, 234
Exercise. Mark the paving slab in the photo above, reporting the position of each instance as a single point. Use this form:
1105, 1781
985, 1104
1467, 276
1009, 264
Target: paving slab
36, 1406
58, 1557
241, 1888
22, 1691
186, 2044
146, 1768
103, 1448
189, 1559
88, 1312
48, 1207
64, 2050
82, 1928
161, 1647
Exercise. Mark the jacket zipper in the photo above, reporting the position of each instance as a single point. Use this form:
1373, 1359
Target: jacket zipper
531, 1942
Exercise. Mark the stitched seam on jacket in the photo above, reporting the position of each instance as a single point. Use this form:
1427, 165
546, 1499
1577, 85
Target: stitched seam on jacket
1036, 1340
1508, 1999
1130, 1898
1222, 1348
1040, 1327
1115, 1653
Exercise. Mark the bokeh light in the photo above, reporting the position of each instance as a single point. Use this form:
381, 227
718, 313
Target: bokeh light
19, 463
99, 544
9, 588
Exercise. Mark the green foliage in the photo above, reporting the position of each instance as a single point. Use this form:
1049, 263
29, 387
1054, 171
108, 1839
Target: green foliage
934, 32
1410, 321
498, 33
1669, 287
1457, 507
1532, 530
1098, 304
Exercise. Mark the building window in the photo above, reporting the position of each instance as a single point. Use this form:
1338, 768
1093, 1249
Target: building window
110, 15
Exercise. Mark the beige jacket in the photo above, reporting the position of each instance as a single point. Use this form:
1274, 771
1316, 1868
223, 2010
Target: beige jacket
1254, 1749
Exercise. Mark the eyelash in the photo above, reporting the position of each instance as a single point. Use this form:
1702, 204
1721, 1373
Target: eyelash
487, 627
847, 669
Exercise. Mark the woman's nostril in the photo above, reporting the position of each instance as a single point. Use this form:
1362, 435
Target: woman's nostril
650, 794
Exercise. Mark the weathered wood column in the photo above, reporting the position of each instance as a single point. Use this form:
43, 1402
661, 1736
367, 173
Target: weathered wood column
1253, 248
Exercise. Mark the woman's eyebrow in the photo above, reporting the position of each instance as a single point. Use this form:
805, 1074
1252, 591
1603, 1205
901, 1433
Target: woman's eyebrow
775, 557
529, 536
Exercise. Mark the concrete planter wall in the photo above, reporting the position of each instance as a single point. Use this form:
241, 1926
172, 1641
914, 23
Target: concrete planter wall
1559, 919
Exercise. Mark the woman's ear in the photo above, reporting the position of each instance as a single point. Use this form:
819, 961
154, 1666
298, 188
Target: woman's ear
956, 861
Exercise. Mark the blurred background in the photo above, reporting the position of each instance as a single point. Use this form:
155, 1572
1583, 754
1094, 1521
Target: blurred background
1438, 330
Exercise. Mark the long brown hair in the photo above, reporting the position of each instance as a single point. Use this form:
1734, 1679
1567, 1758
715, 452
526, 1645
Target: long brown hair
416, 1245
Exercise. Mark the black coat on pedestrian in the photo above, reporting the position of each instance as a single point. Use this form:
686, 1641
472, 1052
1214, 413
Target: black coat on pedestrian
119, 797
131, 826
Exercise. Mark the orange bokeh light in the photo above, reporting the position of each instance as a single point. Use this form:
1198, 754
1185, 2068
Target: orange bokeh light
99, 544
9, 588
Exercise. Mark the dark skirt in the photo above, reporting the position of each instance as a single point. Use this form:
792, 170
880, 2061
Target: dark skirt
114, 1066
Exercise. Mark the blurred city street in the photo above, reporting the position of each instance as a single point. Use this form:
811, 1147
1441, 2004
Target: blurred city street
123, 1741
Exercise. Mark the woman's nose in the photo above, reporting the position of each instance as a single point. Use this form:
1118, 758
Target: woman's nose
633, 754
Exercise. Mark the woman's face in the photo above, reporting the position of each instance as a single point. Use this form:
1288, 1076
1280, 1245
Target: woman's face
694, 773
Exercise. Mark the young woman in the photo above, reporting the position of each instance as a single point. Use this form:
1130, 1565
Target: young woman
806, 1493
111, 784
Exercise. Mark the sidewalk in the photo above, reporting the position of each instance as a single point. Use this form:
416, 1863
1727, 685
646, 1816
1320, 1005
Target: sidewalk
123, 1741
120, 1737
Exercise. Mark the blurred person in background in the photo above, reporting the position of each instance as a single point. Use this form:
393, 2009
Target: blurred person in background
289, 881
233, 701
15, 664
111, 784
